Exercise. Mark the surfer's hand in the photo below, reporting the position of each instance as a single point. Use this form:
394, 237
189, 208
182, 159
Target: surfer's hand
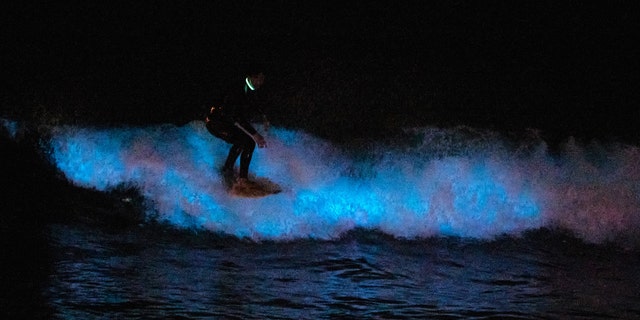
259, 140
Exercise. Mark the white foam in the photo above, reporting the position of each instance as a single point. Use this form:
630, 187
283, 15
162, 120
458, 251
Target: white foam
452, 182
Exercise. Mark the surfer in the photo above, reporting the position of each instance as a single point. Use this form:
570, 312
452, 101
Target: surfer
229, 121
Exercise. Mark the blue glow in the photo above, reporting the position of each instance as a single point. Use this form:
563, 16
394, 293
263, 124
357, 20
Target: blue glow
11, 126
478, 189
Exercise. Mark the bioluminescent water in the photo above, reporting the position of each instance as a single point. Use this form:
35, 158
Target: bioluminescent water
10, 126
444, 182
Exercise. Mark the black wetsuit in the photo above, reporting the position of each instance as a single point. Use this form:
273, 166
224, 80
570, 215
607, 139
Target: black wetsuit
230, 122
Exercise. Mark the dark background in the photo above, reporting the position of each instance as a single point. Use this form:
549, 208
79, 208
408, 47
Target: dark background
343, 71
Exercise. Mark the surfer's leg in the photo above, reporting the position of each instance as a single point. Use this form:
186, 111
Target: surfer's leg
234, 152
233, 136
245, 159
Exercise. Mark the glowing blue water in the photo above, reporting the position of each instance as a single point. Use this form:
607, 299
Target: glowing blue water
10, 126
449, 183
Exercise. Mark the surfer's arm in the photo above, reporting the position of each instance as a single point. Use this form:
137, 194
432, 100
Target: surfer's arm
246, 127
259, 139
252, 132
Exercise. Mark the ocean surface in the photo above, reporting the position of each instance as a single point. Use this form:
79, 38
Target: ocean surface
439, 223
143, 273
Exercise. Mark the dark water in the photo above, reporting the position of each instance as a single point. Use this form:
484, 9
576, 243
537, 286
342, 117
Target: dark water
159, 273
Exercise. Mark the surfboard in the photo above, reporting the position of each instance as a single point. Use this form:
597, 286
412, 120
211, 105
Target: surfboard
256, 188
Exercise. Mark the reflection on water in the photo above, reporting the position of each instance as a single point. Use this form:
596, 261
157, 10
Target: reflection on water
161, 273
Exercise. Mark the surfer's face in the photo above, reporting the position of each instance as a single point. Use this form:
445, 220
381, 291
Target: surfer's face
257, 80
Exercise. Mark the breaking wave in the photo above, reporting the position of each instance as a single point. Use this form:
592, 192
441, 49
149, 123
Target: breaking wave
438, 182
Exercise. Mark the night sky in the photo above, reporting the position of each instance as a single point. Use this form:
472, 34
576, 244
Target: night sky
341, 71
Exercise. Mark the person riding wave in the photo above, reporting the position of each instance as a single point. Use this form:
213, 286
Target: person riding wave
230, 121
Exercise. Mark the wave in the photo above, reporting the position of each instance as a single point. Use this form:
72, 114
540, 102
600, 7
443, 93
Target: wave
438, 182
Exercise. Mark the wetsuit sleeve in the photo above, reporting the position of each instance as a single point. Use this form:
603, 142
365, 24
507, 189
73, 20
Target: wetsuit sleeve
238, 110
247, 126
